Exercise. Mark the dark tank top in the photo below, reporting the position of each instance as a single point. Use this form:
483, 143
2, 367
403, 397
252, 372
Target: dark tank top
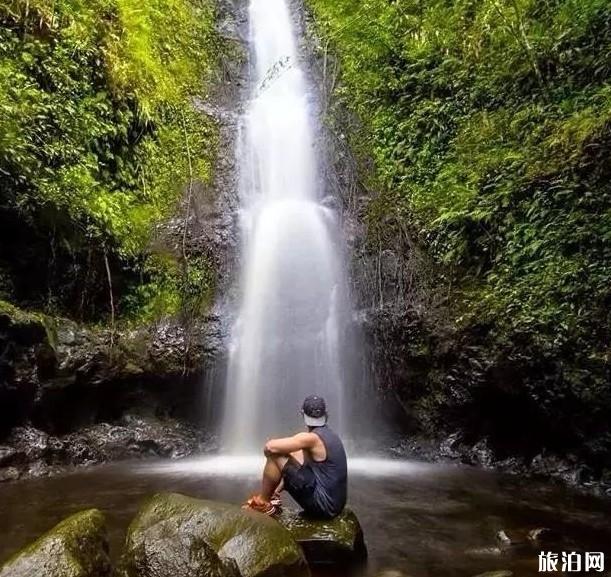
331, 487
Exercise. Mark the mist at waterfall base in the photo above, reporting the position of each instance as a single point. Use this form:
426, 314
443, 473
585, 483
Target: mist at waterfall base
292, 336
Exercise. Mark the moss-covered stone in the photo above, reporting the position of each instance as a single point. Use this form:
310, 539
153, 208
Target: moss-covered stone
25, 327
337, 541
164, 551
76, 547
172, 532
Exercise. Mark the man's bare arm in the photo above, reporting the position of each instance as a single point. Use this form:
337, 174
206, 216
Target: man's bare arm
289, 445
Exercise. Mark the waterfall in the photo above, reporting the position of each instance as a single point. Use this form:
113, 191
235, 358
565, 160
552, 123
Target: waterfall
289, 336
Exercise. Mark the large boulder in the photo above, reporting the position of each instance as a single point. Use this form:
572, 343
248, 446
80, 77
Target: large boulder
76, 547
336, 541
166, 551
178, 535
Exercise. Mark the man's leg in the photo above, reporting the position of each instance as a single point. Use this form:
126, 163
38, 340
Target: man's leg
272, 472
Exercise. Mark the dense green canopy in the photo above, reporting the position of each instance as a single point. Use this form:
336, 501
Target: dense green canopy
96, 130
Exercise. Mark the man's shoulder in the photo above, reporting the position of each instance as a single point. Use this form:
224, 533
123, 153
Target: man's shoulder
306, 437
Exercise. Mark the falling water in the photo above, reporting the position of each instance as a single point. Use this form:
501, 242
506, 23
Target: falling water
290, 333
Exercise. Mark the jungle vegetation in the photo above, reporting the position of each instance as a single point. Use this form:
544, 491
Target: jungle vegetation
489, 126
98, 139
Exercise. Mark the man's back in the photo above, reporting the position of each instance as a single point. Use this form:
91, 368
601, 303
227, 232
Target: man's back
331, 473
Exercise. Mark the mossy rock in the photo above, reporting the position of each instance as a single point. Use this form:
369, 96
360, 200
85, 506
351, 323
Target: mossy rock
179, 535
76, 547
165, 550
337, 541
25, 328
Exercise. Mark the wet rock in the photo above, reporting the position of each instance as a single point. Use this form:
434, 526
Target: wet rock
35, 453
513, 465
174, 526
134, 437
8, 456
76, 547
484, 552
9, 474
513, 541
415, 447
165, 553
337, 541
503, 538
449, 447
81, 451
480, 454
59, 376
543, 536
525, 541
37, 469
567, 470
30, 442
512, 537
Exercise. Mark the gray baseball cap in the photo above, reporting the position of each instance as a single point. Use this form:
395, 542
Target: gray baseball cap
314, 411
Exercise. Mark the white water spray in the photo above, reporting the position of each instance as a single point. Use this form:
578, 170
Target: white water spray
290, 333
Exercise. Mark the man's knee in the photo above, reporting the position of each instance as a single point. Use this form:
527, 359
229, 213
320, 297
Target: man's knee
281, 460
278, 460
298, 456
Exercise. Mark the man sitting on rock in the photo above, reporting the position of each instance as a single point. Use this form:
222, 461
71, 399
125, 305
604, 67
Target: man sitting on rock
310, 465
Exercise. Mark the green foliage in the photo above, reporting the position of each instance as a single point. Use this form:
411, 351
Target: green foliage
489, 122
96, 119
173, 289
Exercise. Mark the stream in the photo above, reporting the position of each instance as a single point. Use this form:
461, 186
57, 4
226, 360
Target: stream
420, 519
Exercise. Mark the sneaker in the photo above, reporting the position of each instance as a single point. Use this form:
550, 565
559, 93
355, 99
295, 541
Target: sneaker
276, 501
257, 503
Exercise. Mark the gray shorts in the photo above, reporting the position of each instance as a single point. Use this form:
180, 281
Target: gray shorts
301, 484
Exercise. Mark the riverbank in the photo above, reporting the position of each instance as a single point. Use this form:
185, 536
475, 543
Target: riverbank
75, 396
563, 470
28, 452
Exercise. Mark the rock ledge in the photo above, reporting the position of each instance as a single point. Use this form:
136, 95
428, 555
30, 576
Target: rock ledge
336, 541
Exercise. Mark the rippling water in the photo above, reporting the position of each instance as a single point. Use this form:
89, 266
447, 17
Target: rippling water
426, 520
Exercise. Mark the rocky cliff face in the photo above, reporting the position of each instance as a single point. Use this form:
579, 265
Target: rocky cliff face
74, 395
58, 375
